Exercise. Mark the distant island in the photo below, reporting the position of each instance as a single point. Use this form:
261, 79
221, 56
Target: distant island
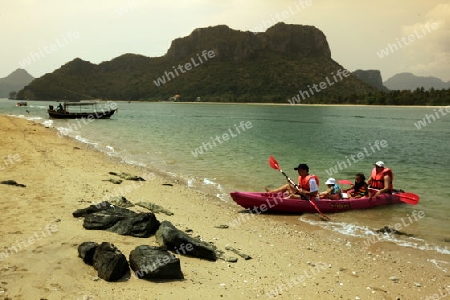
11, 84
285, 64
409, 81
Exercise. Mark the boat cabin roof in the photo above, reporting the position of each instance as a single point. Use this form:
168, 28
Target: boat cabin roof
81, 103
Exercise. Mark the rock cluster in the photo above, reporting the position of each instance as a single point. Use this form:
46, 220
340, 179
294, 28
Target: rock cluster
147, 262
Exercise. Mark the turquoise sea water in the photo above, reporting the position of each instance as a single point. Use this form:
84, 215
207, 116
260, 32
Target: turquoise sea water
236, 141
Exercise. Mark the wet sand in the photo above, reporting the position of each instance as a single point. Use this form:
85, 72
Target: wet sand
290, 259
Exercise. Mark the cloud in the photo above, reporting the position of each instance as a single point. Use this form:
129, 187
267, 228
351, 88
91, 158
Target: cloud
432, 50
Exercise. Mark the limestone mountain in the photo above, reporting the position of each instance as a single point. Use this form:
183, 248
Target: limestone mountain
371, 77
409, 81
14, 82
216, 64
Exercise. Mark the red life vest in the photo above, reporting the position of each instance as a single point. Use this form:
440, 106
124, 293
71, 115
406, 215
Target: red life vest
378, 178
303, 181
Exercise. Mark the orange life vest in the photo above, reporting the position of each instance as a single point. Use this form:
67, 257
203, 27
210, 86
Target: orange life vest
303, 181
378, 178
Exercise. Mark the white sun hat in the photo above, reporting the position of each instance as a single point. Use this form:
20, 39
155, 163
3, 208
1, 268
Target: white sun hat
331, 181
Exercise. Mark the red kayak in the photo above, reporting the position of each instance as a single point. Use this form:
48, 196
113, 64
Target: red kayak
262, 202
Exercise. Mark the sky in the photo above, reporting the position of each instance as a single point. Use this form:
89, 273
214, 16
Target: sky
391, 36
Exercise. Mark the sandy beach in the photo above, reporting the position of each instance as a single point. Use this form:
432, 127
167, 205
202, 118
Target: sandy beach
290, 259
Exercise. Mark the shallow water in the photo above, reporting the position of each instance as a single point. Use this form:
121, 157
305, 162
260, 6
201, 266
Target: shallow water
236, 141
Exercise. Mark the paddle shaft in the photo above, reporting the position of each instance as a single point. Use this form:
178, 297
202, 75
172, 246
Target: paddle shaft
274, 165
296, 188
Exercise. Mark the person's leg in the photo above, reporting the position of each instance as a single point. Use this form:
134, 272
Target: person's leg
281, 189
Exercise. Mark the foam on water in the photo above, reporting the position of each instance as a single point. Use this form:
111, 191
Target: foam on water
373, 237
439, 263
162, 136
85, 140
38, 106
48, 123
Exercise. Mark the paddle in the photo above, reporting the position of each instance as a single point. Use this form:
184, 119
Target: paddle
409, 198
274, 165
344, 181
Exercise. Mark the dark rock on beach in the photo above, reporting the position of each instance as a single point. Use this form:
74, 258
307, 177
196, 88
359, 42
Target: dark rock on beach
106, 216
102, 206
151, 262
140, 225
177, 241
101, 220
127, 176
86, 251
243, 255
389, 230
222, 226
109, 262
12, 182
113, 180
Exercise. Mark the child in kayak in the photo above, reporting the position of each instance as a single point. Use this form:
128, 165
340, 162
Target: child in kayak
333, 192
359, 189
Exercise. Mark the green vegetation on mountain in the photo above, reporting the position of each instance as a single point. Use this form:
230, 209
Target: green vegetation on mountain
225, 66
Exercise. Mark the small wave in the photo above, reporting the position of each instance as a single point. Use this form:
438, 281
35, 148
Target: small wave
207, 181
373, 237
85, 140
190, 182
218, 190
64, 131
110, 150
48, 123
439, 263
128, 161
33, 118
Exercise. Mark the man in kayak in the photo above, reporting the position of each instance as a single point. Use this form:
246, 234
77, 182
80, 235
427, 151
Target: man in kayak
307, 187
381, 180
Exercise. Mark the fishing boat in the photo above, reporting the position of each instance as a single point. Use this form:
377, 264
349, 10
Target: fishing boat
83, 110
270, 202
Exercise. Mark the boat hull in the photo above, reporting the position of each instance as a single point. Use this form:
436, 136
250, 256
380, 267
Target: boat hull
92, 115
265, 202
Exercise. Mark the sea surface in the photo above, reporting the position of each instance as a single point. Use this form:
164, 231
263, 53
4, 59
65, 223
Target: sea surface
219, 148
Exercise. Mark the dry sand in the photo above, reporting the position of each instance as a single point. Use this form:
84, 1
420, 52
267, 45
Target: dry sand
62, 175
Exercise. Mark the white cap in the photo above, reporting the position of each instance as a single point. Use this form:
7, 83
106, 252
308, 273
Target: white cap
379, 164
331, 181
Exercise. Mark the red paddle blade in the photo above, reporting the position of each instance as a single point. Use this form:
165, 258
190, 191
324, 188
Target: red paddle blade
409, 198
344, 181
273, 163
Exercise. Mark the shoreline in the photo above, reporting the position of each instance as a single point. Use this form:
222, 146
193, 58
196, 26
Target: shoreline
256, 104
63, 174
